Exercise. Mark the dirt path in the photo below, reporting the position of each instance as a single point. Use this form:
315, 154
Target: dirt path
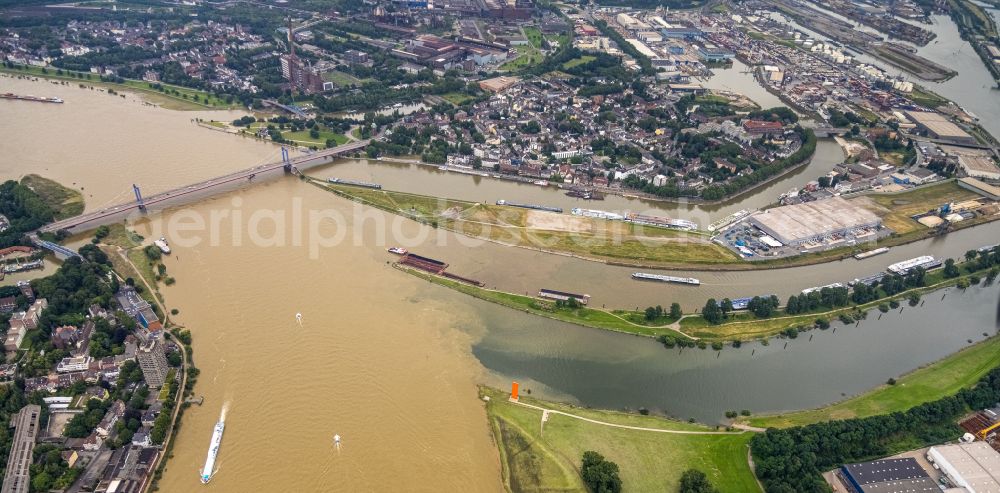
547, 412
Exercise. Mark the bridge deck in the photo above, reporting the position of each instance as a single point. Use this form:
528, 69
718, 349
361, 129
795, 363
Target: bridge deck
207, 185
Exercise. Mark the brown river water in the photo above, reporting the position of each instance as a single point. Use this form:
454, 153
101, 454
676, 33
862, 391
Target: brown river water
389, 362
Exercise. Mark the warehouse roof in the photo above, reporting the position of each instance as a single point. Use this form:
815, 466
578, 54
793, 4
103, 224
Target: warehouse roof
800, 222
891, 476
976, 464
937, 123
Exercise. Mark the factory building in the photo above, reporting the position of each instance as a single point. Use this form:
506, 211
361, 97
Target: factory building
939, 127
815, 221
887, 476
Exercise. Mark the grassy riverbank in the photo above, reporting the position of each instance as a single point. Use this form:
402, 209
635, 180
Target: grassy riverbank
627, 244
65, 202
546, 457
584, 237
618, 320
929, 383
168, 96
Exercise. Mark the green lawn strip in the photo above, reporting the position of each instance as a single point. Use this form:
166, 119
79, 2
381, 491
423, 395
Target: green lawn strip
648, 460
456, 98
65, 202
119, 235
580, 60
929, 383
303, 137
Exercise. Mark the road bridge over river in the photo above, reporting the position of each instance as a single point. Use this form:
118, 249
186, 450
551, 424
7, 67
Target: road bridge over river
202, 189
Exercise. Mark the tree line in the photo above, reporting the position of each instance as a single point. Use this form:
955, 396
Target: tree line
792, 460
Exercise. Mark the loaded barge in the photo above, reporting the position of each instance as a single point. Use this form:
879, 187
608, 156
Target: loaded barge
871, 253
530, 206
38, 99
552, 294
432, 266
642, 276
354, 183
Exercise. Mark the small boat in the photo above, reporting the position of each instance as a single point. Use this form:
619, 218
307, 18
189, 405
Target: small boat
162, 245
397, 250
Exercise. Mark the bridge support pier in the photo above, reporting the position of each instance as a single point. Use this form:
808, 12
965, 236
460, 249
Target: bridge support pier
286, 160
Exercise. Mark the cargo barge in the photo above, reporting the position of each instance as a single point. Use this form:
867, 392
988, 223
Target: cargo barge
642, 276
37, 99
423, 263
530, 206
925, 262
871, 253
355, 183
552, 294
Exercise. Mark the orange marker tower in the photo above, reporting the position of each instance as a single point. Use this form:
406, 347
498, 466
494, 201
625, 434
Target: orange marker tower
513, 391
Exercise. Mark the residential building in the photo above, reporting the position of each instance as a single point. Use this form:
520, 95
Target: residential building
153, 362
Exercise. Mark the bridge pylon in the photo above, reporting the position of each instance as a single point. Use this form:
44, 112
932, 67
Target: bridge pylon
138, 197
285, 159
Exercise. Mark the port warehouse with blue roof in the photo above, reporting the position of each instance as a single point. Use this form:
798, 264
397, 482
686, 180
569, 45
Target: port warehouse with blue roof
903, 475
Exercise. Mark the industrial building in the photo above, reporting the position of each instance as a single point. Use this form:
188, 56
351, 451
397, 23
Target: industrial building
939, 127
814, 221
980, 166
887, 476
498, 84
974, 466
980, 187
18, 475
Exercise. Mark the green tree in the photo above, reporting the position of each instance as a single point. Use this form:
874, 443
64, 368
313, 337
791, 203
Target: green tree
675, 310
600, 475
712, 312
950, 269
152, 253
695, 481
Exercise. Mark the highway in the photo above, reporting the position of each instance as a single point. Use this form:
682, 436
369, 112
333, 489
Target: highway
207, 185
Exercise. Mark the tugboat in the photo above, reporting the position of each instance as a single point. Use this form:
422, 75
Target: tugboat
397, 250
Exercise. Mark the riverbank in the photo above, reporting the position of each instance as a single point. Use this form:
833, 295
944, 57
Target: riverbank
692, 329
64, 201
169, 97
929, 383
541, 444
627, 244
